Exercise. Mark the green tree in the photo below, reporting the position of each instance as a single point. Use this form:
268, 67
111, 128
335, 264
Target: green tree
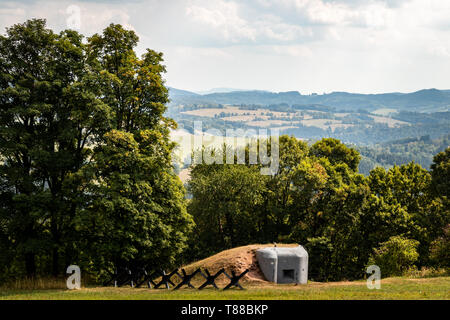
137, 213
316, 198
336, 152
49, 114
85, 153
332, 224
395, 256
137, 209
280, 209
224, 199
438, 218
440, 249
132, 87
440, 172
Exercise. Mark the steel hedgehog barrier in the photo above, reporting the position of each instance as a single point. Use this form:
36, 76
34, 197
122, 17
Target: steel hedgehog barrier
139, 277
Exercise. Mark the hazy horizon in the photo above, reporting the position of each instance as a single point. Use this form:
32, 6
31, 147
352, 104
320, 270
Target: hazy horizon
228, 90
310, 46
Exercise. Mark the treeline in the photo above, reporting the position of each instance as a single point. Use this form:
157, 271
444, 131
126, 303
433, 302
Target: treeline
86, 173
420, 150
395, 218
87, 177
381, 132
420, 101
364, 130
285, 107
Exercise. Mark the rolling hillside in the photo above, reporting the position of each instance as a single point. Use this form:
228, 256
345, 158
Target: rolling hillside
424, 100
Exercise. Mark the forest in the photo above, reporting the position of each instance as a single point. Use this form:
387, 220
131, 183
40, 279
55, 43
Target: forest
87, 176
397, 218
420, 150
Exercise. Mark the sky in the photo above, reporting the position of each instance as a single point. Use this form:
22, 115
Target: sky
310, 46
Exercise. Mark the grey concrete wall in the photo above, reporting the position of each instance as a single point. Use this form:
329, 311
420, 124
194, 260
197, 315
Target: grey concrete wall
284, 265
268, 262
288, 269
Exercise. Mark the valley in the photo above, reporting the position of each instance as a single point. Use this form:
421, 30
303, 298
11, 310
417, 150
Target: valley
372, 123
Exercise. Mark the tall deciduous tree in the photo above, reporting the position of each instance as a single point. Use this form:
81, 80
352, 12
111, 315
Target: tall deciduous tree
137, 211
440, 172
223, 199
86, 172
49, 114
336, 152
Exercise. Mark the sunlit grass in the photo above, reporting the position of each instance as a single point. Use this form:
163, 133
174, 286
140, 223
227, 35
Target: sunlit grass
35, 284
391, 288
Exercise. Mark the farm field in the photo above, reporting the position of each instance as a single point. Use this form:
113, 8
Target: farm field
186, 144
391, 288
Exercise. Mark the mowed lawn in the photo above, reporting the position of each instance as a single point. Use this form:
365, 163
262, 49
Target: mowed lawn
391, 288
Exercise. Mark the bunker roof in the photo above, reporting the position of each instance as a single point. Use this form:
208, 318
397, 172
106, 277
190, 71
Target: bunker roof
283, 252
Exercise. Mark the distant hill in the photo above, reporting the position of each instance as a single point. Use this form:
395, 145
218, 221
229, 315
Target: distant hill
177, 93
178, 97
387, 154
427, 100
219, 90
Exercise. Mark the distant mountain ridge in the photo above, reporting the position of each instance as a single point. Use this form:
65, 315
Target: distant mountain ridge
220, 90
422, 100
175, 93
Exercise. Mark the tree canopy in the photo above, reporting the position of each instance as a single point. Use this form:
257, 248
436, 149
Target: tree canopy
86, 173
318, 199
87, 176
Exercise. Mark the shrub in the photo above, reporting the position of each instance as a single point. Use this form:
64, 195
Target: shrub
440, 250
320, 251
395, 256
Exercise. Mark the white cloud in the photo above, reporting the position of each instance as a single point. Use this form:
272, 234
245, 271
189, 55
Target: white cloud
94, 16
298, 51
223, 17
306, 45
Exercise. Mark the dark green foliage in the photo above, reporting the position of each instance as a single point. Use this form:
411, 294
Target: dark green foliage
318, 199
85, 155
336, 153
420, 150
48, 115
440, 172
223, 200
440, 249
395, 256
86, 171
137, 213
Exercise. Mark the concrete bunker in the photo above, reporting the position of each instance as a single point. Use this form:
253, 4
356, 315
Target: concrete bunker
284, 265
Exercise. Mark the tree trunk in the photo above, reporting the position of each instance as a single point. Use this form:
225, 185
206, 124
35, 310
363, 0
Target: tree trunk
55, 267
230, 227
30, 264
55, 251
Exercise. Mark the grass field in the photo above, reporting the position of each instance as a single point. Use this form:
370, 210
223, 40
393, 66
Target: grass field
391, 288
